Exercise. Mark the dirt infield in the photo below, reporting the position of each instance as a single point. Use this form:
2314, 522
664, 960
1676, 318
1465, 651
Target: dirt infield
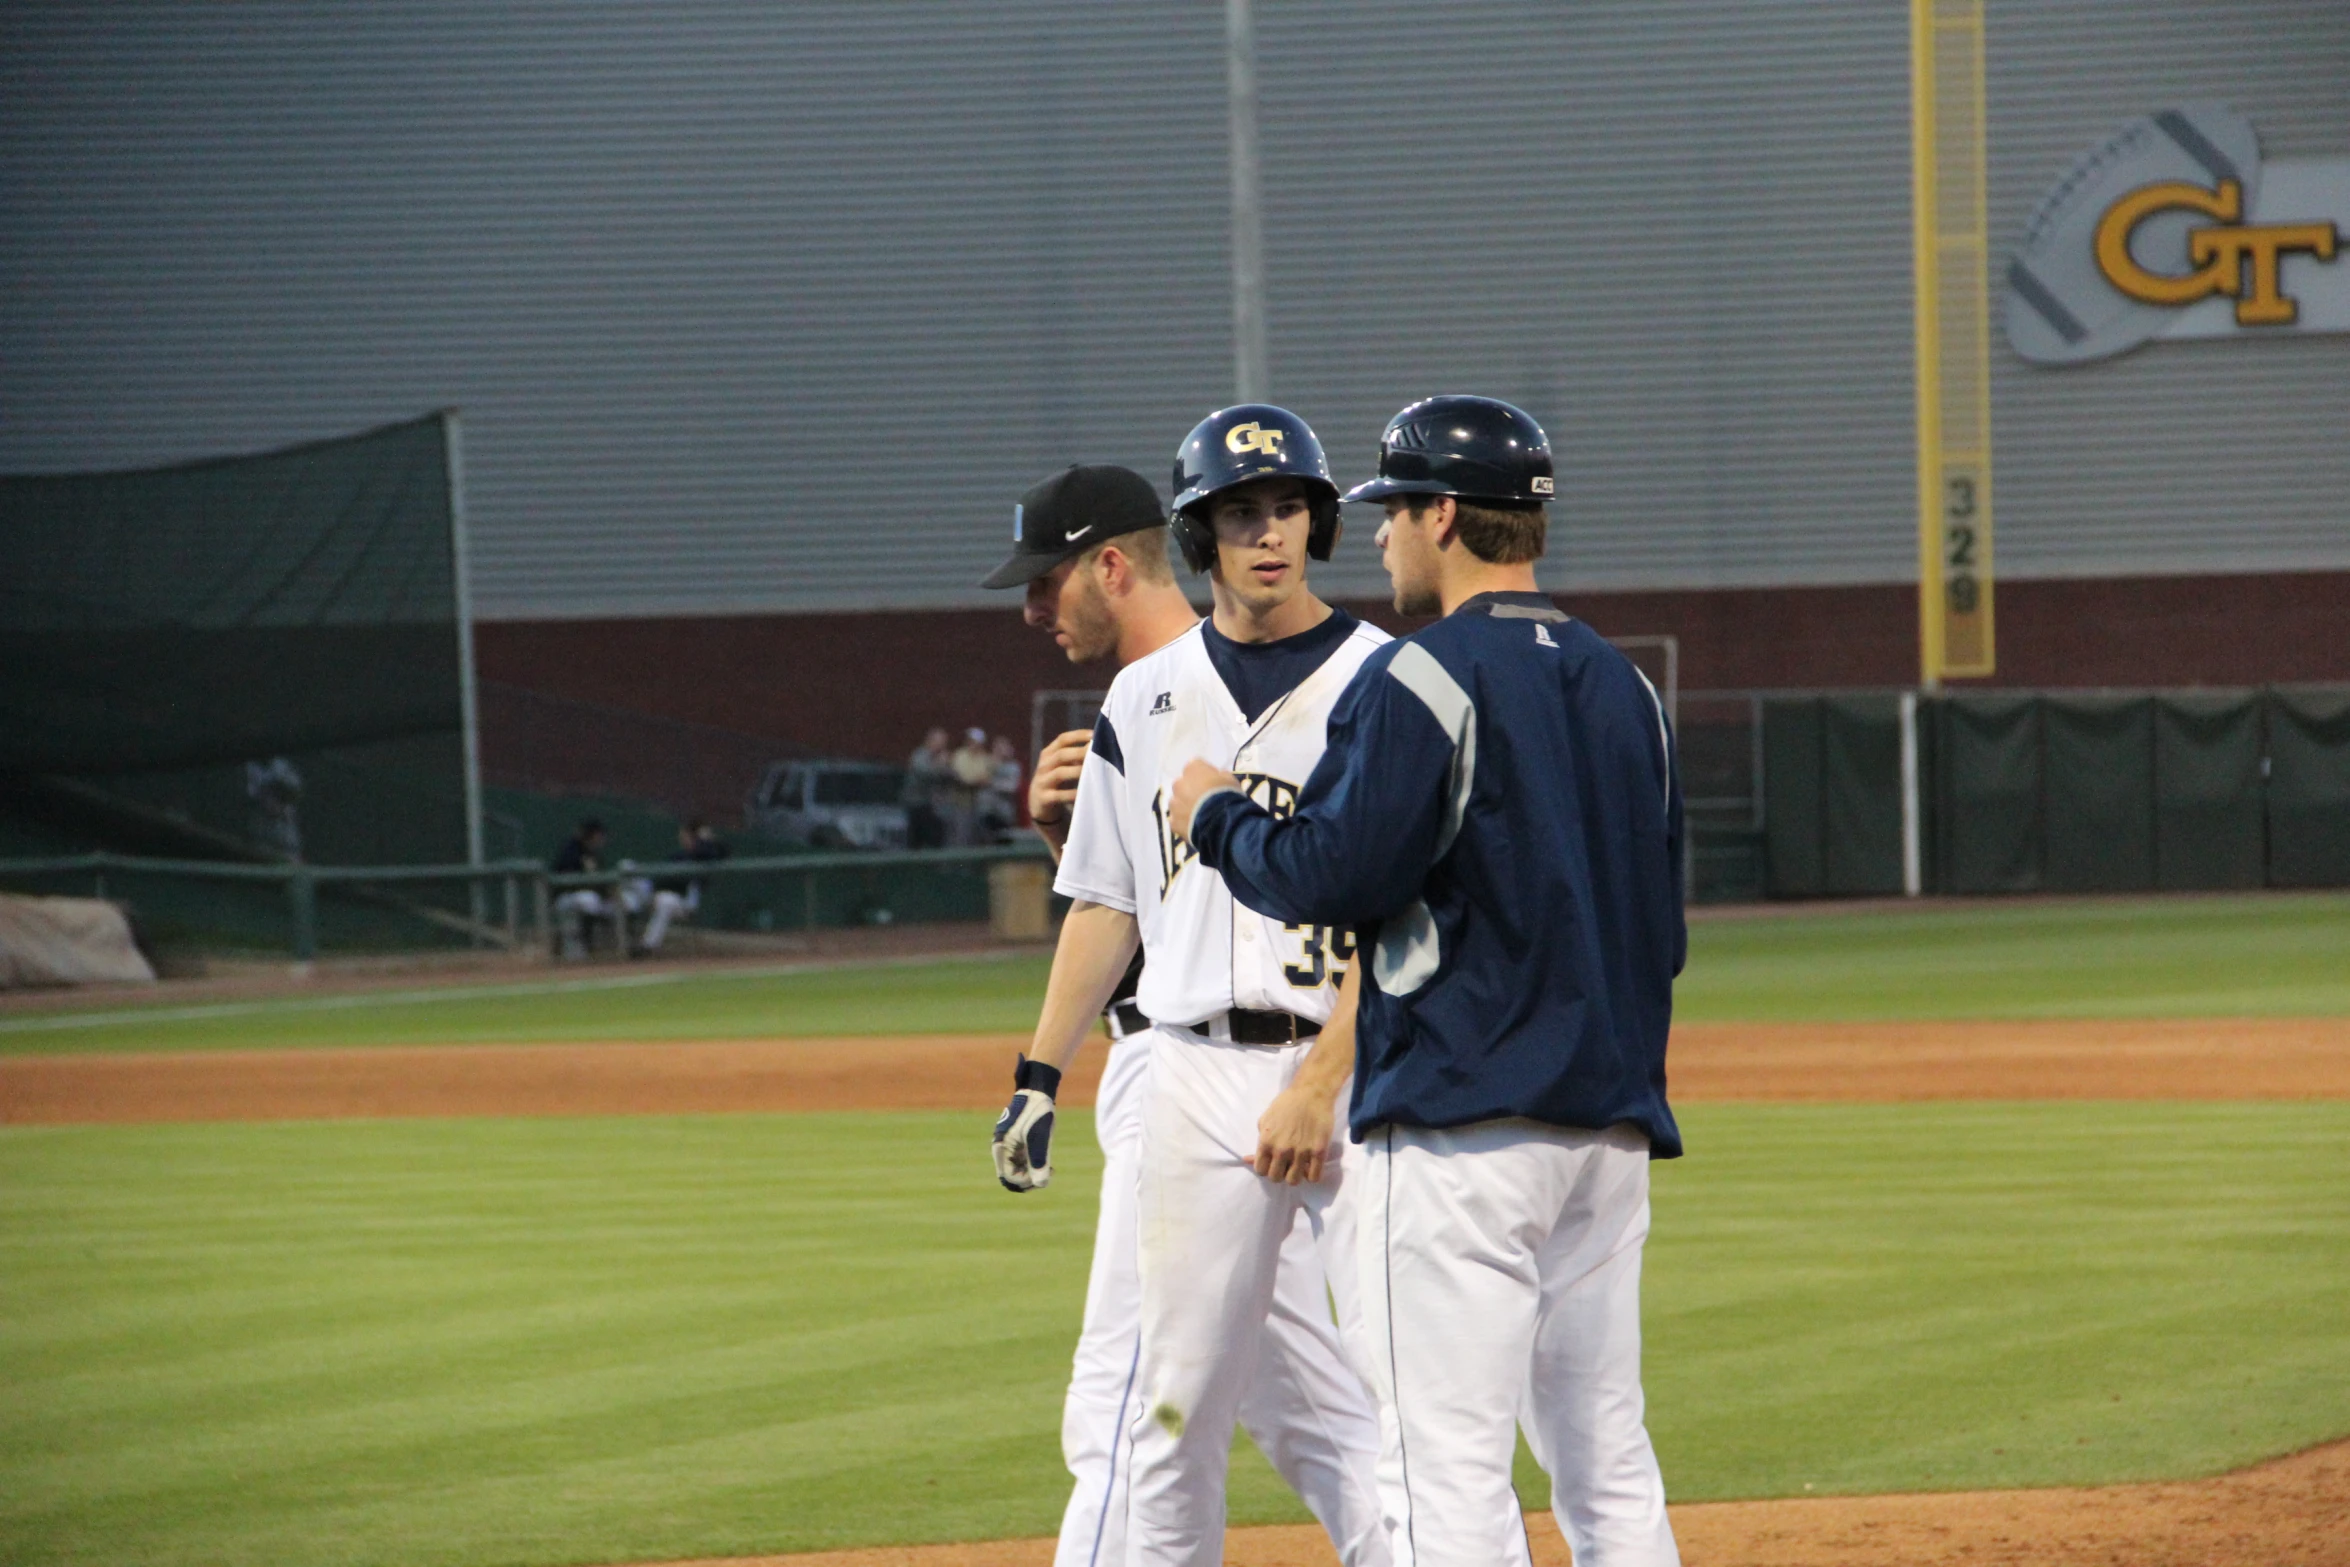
2201, 1059
2294, 1512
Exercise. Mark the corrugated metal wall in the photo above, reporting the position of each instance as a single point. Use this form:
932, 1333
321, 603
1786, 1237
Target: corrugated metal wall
776, 308
2209, 456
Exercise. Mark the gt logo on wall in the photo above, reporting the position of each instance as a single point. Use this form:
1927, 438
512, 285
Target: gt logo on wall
2175, 227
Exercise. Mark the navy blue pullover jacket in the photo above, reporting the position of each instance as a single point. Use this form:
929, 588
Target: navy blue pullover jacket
1499, 813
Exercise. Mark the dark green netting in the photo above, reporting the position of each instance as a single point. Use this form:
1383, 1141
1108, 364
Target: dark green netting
1832, 791
2097, 794
1795, 860
2208, 829
1989, 817
2309, 788
161, 630
1860, 766
2075, 792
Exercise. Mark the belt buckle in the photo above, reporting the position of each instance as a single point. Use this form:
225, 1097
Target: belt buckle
1275, 1018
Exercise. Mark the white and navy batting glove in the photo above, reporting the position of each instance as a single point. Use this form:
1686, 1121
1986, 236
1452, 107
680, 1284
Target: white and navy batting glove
1024, 1133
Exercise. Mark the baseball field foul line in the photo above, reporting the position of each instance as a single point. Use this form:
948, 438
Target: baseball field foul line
2194, 1059
361, 1000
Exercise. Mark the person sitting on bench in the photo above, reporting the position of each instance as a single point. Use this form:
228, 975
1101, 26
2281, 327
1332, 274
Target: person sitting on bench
677, 897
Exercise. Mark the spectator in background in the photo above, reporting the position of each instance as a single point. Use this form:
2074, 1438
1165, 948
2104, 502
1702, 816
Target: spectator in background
999, 807
275, 788
677, 897
930, 777
583, 853
974, 771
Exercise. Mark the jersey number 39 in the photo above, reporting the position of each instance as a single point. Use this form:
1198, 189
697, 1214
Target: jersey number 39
1324, 951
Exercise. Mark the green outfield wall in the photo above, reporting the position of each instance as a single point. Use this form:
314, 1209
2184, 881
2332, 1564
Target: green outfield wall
1875, 794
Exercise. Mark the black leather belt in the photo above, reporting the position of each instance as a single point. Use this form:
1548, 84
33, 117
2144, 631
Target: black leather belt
1268, 1028
1241, 1025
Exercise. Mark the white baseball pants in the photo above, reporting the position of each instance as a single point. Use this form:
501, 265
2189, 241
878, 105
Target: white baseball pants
1307, 1408
580, 904
667, 907
1220, 1317
1501, 1283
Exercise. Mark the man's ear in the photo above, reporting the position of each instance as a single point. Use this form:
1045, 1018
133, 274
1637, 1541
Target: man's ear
1444, 519
1113, 570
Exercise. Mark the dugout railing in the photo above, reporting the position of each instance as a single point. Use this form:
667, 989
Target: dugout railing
509, 904
234, 904
804, 892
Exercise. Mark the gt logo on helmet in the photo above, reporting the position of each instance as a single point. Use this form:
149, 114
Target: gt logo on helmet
1254, 438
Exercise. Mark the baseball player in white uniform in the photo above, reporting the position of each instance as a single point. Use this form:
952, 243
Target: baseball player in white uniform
1233, 999
1090, 553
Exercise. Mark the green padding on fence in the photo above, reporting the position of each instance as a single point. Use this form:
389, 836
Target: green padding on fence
1860, 747
2309, 788
1832, 783
1989, 817
2208, 832
1794, 862
2062, 792
2097, 794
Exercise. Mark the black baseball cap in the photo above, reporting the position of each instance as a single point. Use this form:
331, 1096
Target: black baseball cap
1070, 513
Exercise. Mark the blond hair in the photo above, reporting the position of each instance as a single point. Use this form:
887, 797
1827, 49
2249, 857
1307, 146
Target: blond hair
1145, 548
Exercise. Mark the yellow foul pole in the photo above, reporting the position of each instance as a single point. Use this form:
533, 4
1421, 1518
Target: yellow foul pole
1953, 340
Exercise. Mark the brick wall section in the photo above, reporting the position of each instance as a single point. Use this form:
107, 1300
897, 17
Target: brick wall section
843, 684
2128, 631
868, 684
2176, 631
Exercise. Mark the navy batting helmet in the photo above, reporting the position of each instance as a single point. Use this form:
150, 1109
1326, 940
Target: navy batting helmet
1233, 446
1476, 449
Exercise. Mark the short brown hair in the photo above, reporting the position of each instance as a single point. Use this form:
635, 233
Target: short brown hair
1145, 547
1496, 535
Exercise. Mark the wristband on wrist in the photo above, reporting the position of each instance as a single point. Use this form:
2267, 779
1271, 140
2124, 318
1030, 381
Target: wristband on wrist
1046, 1080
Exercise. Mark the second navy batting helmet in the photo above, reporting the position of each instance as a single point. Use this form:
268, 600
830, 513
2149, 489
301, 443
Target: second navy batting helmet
1234, 445
1477, 449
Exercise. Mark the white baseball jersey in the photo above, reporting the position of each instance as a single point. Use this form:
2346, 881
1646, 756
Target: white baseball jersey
1205, 954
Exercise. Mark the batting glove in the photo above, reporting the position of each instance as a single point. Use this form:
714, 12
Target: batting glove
1024, 1133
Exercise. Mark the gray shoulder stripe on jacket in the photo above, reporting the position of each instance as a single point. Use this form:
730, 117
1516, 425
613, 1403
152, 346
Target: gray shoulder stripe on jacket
1664, 733
1417, 671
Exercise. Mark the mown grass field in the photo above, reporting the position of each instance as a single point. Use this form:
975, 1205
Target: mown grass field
476, 1342
541, 1341
2209, 957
